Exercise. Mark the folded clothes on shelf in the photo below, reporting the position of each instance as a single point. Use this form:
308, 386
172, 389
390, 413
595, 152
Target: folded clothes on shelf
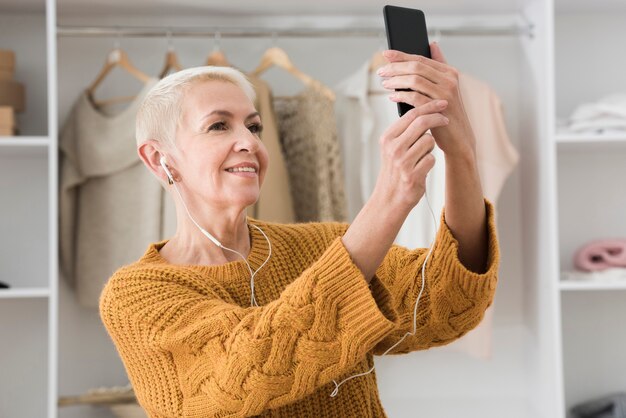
607, 115
612, 406
600, 255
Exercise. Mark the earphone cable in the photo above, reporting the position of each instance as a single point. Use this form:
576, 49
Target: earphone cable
336, 390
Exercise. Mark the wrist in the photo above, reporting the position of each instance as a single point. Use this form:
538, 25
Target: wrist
385, 205
463, 157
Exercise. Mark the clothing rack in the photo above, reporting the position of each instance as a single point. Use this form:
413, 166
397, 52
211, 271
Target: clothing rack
233, 32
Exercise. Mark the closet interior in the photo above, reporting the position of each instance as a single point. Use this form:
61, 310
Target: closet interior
554, 343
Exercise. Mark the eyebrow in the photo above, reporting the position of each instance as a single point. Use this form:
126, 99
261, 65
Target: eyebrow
227, 114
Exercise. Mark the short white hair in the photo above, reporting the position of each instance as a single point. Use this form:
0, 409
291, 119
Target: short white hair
160, 111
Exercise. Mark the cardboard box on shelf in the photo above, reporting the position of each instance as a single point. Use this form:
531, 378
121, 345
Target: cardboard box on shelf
7, 64
7, 117
7, 121
12, 94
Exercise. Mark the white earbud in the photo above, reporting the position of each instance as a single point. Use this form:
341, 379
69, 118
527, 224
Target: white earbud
170, 178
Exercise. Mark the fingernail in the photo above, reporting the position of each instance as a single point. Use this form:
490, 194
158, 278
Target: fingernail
441, 103
446, 120
385, 83
393, 98
381, 72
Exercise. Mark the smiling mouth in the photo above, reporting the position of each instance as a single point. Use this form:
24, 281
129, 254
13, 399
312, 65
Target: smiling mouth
241, 170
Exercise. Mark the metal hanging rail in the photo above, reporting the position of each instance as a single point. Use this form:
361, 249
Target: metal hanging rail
233, 32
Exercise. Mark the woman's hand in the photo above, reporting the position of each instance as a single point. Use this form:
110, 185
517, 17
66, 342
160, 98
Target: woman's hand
406, 160
465, 212
406, 156
431, 79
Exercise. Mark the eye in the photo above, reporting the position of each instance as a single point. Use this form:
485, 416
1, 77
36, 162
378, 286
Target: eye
256, 128
220, 126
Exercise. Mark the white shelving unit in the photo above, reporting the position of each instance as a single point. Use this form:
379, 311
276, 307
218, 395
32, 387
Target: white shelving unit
28, 252
591, 196
555, 343
586, 286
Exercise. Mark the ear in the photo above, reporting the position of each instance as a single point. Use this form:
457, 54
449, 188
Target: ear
150, 152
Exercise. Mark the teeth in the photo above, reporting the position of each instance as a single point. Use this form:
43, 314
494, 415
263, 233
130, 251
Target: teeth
237, 169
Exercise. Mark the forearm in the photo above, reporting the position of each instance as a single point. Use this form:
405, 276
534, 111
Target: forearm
465, 212
377, 219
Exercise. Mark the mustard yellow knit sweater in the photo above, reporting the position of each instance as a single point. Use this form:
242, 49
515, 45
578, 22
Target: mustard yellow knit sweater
194, 347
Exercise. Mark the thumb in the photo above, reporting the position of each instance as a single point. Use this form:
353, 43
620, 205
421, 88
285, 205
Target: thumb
436, 54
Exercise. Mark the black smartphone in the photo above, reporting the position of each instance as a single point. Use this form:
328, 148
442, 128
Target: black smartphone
406, 32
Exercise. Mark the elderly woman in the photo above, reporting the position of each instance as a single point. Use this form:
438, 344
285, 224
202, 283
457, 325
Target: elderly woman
236, 317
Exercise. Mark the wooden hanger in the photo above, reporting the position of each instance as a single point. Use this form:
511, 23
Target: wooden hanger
171, 63
277, 57
218, 58
377, 60
116, 58
171, 59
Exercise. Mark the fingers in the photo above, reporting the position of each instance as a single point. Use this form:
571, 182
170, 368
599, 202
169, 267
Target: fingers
410, 68
420, 148
436, 53
418, 160
401, 125
393, 56
423, 166
416, 99
419, 127
414, 82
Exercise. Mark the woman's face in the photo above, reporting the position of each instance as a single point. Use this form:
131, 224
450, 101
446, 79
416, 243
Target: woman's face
220, 130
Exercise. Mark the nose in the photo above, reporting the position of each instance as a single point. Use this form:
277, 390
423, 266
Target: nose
247, 141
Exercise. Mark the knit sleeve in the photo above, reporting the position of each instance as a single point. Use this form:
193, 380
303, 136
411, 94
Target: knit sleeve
231, 361
454, 298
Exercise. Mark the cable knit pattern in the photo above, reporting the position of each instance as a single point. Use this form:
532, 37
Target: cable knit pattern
193, 347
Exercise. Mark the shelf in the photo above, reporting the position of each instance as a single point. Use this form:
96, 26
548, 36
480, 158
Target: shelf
590, 138
587, 142
24, 141
23, 145
575, 285
25, 293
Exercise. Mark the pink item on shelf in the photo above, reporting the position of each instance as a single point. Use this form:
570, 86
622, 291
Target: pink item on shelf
601, 255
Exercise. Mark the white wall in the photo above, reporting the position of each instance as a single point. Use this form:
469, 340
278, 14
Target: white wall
88, 359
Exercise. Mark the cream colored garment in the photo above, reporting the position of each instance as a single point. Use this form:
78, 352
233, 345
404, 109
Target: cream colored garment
308, 131
497, 157
110, 206
496, 160
275, 203
364, 112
